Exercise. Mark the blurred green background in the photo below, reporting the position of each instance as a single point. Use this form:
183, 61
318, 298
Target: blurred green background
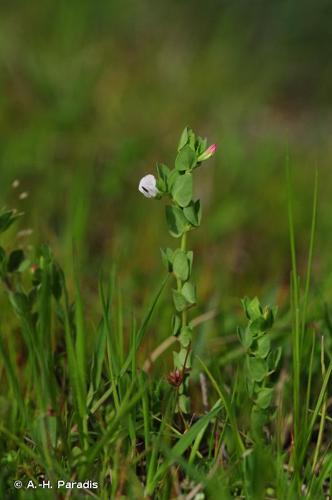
93, 94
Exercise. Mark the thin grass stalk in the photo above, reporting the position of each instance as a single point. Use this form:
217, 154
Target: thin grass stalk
73, 372
296, 329
309, 382
228, 408
318, 405
310, 258
323, 413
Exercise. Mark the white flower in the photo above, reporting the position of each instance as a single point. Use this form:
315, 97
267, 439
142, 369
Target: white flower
148, 186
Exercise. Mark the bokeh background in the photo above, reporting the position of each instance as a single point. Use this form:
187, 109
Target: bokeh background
93, 94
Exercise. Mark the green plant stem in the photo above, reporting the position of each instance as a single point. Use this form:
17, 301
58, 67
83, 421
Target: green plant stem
183, 248
182, 389
184, 242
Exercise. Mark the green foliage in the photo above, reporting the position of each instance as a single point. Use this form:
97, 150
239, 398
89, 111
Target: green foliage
81, 403
163, 176
167, 256
185, 298
186, 159
193, 213
64, 112
261, 361
181, 265
180, 302
183, 215
189, 292
7, 218
15, 259
185, 336
176, 221
176, 324
182, 190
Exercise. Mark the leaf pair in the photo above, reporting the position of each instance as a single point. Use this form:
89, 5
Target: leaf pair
179, 220
179, 262
185, 298
195, 143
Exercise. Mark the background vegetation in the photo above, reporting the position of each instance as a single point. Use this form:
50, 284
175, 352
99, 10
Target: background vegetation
93, 94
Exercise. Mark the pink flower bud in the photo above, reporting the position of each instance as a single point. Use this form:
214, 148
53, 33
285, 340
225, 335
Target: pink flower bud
208, 153
212, 149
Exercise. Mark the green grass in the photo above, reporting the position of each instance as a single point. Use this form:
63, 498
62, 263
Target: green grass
77, 404
91, 97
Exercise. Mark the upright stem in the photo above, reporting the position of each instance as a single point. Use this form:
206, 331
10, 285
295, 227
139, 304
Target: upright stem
184, 242
183, 248
184, 353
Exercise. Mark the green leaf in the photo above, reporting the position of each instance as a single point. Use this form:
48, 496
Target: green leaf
264, 397
179, 300
162, 180
258, 326
181, 357
263, 346
185, 159
181, 265
269, 317
252, 308
229, 407
183, 138
257, 368
185, 336
201, 145
189, 292
250, 386
246, 337
26, 264
15, 260
167, 256
174, 174
182, 190
273, 359
176, 221
184, 403
20, 303
176, 325
193, 213
56, 280
188, 437
192, 139
7, 218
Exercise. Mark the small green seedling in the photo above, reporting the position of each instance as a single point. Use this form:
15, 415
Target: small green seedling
261, 361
